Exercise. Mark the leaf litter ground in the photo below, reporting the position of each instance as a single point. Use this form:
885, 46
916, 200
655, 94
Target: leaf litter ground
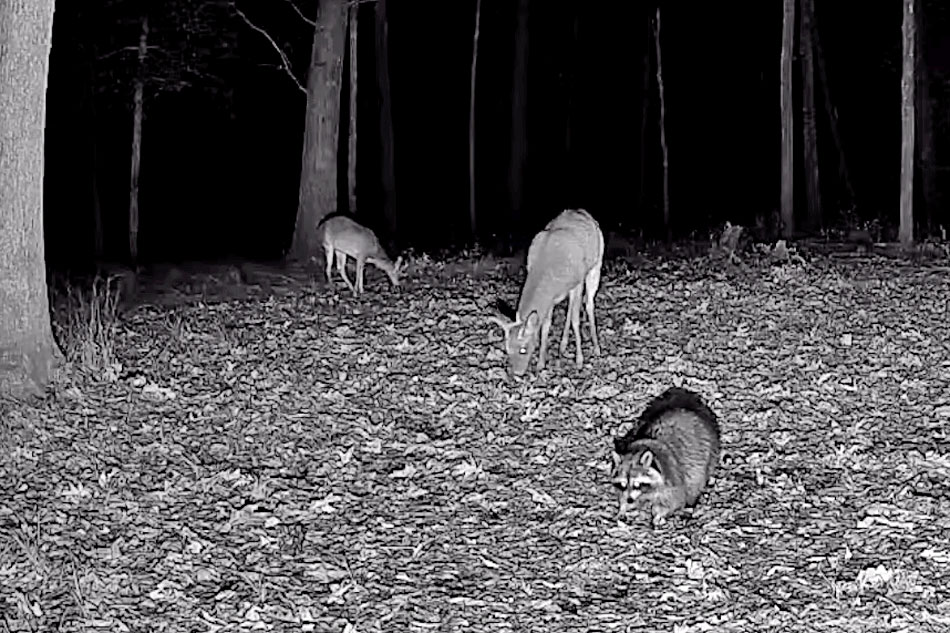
311, 461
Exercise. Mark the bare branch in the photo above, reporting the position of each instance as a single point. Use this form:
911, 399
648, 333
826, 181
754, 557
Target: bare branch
124, 49
283, 57
313, 23
296, 10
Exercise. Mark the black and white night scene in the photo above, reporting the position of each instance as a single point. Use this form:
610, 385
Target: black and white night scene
474, 316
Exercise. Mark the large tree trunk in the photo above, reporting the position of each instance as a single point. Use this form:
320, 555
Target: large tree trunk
138, 107
809, 122
27, 350
519, 141
667, 225
351, 129
788, 144
319, 164
386, 136
926, 154
907, 127
472, 218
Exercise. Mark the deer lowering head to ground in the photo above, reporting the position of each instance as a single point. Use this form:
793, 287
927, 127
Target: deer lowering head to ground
563, 259
342, 236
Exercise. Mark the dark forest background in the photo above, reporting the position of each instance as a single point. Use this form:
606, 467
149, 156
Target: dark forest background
223, 130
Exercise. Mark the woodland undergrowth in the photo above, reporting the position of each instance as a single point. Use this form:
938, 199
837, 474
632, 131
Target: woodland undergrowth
307, 460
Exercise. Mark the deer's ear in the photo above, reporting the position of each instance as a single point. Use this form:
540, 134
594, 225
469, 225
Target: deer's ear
533, 320
501, 321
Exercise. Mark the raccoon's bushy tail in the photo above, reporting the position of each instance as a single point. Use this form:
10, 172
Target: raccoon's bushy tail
674, 398
677, 398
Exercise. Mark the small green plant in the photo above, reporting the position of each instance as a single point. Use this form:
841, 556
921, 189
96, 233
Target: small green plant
85, 322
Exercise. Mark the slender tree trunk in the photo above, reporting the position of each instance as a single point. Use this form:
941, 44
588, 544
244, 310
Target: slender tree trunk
666, 161
472, 218
519, 141
138, 108
645, 114
28, 353
788, 122
809, 122
568, 176
386, 135
926, 153
319, 164
351, 146
98, 236
831, 113
907, 127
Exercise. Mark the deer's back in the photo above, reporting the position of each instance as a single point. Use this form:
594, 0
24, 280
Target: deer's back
568, 247
349, 237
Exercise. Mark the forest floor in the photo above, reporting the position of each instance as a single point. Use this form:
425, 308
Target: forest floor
298, 459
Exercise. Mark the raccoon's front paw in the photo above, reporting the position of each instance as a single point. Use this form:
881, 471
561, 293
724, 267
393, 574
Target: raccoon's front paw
633, 510
659, 515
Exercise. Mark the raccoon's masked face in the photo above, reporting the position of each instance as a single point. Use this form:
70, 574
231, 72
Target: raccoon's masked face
635, 475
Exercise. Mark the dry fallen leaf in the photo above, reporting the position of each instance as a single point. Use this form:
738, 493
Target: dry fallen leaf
310, 461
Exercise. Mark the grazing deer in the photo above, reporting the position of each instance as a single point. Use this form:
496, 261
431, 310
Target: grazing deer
563, 259
342, 236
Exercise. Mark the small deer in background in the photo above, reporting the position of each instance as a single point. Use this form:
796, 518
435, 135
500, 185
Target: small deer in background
341, 237
564, 258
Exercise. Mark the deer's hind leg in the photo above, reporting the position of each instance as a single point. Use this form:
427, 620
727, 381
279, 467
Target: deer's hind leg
360, 271
328, 269
591, 284
574, 314
341, 267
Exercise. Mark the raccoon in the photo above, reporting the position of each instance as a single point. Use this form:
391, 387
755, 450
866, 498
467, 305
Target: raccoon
666, 460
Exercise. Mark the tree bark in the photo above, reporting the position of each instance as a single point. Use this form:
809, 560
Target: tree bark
788, 145
353, 85
809, 122
472, 218
138, 107
319, 164
926, 153
908, 30
28, 353
386, 136
519, 96
666, 160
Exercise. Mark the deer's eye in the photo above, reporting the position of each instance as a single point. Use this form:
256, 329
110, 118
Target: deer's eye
523, 350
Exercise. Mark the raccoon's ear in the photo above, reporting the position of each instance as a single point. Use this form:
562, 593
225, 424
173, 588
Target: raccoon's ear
615, 460
646, 459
